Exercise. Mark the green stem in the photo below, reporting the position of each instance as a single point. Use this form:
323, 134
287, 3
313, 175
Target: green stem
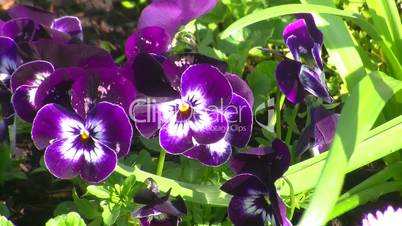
201, 194
292, 198
363, 197
161, 162
280, 100
378, 178
291, 128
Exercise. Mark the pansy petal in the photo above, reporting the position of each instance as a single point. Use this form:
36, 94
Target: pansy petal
99, 163
312, 27
195, 8
249, 210
172, 208
164, 14
63, 158
244, 184
56, 88
150, 117
324, 123
20, 30
176, 65
70, 25
316, 52
287, 73
240, 118
53, 123
214, 154
147, 40
280, 159
314, 83
111, 127
23, 103
208, 128
103, 84
306, 140
267, 163
241, 88
31, 74
300, 32
38, 15
207, 85
175, 136
145, 211
61, 55
150, 78
8, 59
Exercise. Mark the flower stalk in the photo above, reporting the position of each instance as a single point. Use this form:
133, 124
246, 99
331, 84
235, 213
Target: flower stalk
161, 162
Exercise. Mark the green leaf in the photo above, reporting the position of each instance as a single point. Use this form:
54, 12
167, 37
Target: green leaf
98, 191
5, 222
262, 80
110, 213
386, 19
128, 186
70, 219
357, 118
85, 207
4, 210
64, 208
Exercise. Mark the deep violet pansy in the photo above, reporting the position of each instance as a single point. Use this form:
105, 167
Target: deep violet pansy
171, 14
318, 136
88, 146
255, 200
195, 117
159, 22
147, 40
157, 209
163, 81
46, 21
305, 72
24, 84
158, 76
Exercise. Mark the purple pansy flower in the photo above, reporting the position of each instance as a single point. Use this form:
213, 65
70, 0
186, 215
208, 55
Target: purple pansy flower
147, 40
159, 22
195, 117
255, 200
88, 146
163, 79
158, 210
295, 77
24, 84
171, 14
318, 136
37, 23
9, 61
158, 76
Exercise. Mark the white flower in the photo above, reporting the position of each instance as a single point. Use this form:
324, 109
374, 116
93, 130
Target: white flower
390, 217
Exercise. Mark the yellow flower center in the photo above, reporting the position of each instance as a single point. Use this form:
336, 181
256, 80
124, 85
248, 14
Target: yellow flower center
184, 108
84, 134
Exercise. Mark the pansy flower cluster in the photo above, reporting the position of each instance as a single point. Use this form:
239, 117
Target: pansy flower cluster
197, 109
74, 95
